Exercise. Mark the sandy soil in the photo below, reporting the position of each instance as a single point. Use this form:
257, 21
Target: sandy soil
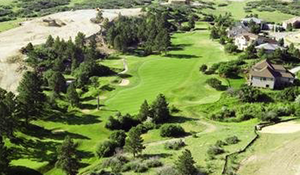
282, 128
124, 82
36, 32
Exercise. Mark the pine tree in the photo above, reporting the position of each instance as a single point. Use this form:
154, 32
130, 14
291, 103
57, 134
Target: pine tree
57, 82
144, 111
31, 97
4, 161
185, 164
67, 159
134, 141
50, 41
160, 109
72, 95
80, 40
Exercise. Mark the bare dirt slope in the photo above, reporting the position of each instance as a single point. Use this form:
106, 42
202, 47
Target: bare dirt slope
276, 152
36, 31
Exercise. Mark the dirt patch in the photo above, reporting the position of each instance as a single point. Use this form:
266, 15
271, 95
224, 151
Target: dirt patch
282, 128
36, 32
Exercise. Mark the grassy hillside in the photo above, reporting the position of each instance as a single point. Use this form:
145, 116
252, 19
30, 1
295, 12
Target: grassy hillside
175, 74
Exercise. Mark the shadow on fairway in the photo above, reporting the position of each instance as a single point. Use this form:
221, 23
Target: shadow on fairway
56, 134
181, 56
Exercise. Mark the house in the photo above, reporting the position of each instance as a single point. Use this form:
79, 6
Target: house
179, 2
269, 47
238, 29
243, 41
294, 21
267, 75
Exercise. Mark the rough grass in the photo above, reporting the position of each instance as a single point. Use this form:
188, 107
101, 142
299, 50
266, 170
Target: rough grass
280, 149
236, 8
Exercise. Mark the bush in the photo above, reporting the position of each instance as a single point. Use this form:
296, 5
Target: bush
232, 140
106, 149
214, 83
168, 171
119, 137
270, 116
220, 143
170, 130
153, 162
203, 68
230, 48
175, 145
215, 150
116, 163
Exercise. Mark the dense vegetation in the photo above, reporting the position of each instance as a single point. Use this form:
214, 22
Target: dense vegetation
274, 5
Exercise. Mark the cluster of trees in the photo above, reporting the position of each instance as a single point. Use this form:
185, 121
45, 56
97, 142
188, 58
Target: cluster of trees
150, 33
111, 4
230, 69
269, 5
57, 57
158, 113
215, 83
253, 103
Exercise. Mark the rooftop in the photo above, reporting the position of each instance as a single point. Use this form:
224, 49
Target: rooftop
269, 46
266, 69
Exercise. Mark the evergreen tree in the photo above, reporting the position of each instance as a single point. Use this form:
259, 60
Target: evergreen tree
67, 159
119, 43
72, 95
191, 22
31, 97
50, 41
4, 161
80, 40
281, 42
160, 109
185, 164
134, 141
144, 111
57, 82
29, 48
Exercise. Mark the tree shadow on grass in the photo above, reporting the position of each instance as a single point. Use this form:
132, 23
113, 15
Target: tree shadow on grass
36, 150
20, 170
160, 155
178, 47
180, 119
181, 56
56, 134
72, 118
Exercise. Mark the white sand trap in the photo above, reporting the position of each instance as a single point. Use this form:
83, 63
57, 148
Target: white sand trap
282, 128
124, 82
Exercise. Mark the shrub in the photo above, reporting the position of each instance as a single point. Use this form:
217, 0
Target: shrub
270, 116
168, 171
153, 162
230, 48
106, 149
170, 130
220, 143
232, 140
215, 150
203, 68
119, 137
214, 83
175, 145
249, 94
116, 163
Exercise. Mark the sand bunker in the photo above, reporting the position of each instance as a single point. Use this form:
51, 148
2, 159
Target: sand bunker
124, 82
282, 128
